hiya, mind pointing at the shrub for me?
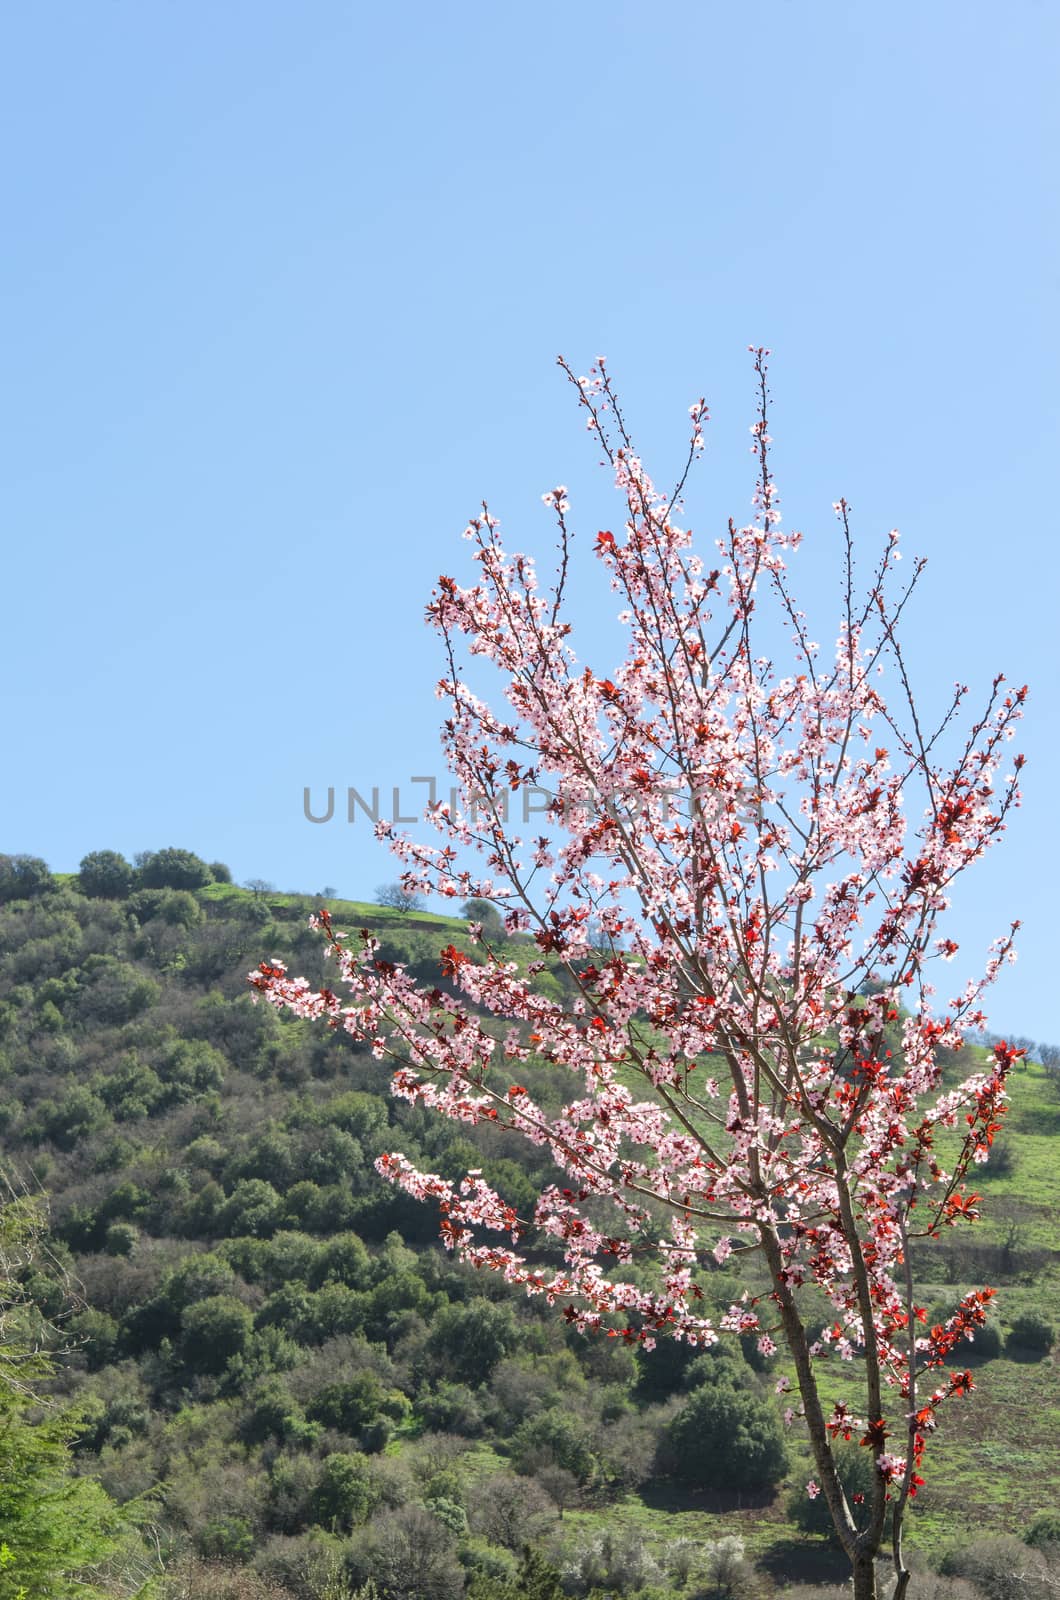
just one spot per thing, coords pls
(412, 1556)
(132, 1090)
(190, 1067)
(226, 1538)
(345, 1494)
(23, 878)
(113, 991)
(344, 1259)
(96, 1335)
(198, 1278)
(610, 1560)
(1002, 1163)
(450, 1408)
(78, 1114)
(1001, 1569)
(274, 1413)
(172, 869)
(253, 1208)
(121, 1239)
(175, 907)
(725, 1438)
(726, 1572)
(450, 1514)
(293, 1480)
(105, 875)
(1044, 1532)
(485, 913)
(753, 1355)
(467, 1341)
(303, 1564)
(1032, 1331)
(509, 1510)
(213, 1331)
(663, 1370)
(54, 1525)
(349, 1405)
(986, 1345)
(50, 1017)
(553, 1439)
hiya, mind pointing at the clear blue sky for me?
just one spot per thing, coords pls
(282, 290)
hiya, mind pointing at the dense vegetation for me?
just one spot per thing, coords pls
(265, 1371)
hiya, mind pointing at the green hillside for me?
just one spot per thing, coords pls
(280, 1370)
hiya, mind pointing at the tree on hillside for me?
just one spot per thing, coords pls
(761, 836)
(172, 869)
(105, 875)
(1049, 1056)
(398, 898)
(23, 878)
(725, 1438)
(488, 918)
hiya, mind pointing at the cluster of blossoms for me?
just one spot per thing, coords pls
(746, 1018)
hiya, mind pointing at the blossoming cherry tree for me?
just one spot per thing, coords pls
(748, 844)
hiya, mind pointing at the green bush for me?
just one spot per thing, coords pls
(1044, 1532)
(190, 1068)
(95, 1334)
(1033, 1332)
(113, 992)
(23, 878)
(986, 1345)
(253, 1208)
(78, 1115)
(225, 1538)
(449, 1513)
(50, 1017)
(450, 1408)
(173, 869)
(467, 1341)
(121, 1239)
(345, 1494)
(105, 875)
(725, 1438)
(213, 1331)
(199, 1277)
(132, 1090)
(343, 1259)
(274, 1413)
(554, 1438)
(177, 908)
(350, 1404)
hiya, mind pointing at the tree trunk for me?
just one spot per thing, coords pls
(864, 1578)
